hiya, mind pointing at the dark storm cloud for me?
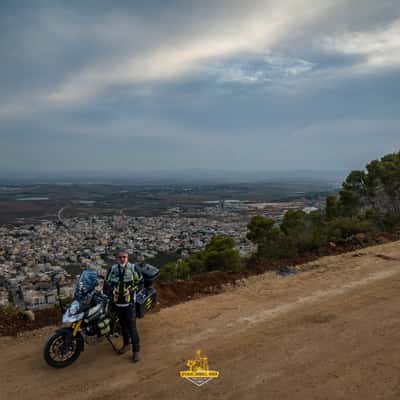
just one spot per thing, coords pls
(221, 84)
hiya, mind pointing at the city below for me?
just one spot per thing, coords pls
(70, 235)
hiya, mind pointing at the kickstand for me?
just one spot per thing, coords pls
(112, 344)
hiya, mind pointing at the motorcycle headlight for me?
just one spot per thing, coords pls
(74, 307)
(72, 313)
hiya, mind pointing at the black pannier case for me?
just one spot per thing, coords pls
(145, 300)
(150, 273)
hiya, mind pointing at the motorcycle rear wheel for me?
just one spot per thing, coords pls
(55, 352)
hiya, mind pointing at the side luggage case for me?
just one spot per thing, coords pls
(146, 299)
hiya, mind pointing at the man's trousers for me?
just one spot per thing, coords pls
(127, 318)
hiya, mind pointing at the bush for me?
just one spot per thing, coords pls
(225, 260)
(219, 244)
(168, 272)
(391, 221)
(305, 232)
(294, 221)
(368, 201)
(310, 239)
(259, 229)
(332, 207)
(195, 263)
(11, 309)
(173, 271)
(343, 227)
(277, 245)
(183, 270)
(219, 255)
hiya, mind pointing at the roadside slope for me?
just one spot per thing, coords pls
(328, 333)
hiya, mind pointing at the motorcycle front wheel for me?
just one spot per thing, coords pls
(62, 349)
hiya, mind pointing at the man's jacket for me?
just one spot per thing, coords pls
(124, 279)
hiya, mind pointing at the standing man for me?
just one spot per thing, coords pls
(124, 280)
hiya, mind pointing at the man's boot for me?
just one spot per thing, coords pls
(135, 356)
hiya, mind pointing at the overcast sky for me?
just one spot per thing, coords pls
(234, 84)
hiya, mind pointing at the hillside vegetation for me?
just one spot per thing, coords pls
(367, 205)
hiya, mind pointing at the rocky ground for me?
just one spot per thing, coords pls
(330, 332)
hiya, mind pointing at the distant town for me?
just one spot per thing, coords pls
(32, 256)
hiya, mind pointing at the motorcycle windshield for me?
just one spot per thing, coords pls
(86, 283)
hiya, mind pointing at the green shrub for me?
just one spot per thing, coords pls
(391, 221)
(332, 207)
(310, 239)
(259, 229)
(343, 227)
(225, 260)
(219, 244)
(195, 263)
(277, 245)
(183, 270)
(168, 272)
(368, 201)
(219, 255)
(10, 309)
(173, 271)
(294, 221)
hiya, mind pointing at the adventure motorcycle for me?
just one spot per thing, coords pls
(89, 317)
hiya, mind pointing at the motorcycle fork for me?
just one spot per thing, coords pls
(76, 328)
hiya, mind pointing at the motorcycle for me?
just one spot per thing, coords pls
(89, 317)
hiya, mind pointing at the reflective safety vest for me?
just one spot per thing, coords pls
(124, 278)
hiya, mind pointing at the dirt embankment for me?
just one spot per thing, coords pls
(170, 294)
(331, 332)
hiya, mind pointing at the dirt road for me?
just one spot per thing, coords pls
(332, 332)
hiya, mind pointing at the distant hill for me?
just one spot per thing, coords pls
(188, 176)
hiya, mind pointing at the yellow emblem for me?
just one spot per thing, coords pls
(198, 371)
